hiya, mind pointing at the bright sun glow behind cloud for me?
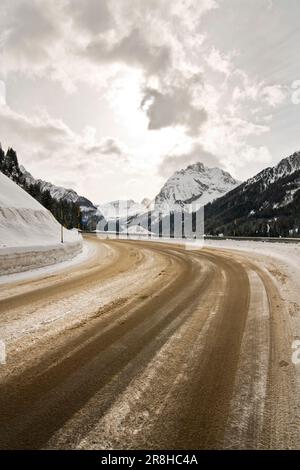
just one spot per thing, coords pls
(101, 95)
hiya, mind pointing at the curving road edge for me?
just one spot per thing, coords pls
(148, 345)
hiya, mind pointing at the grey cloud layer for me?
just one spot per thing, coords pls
(173, 108)
(168, 57)
(107, 147)
(52, 39)
(47, 136)
(172, 163)
(132, 50)
(94, 16)
(27, 31)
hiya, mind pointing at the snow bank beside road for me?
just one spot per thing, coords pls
(282, 262)
(288, 253)
(87, 252)
(30, 237)
(14, 260)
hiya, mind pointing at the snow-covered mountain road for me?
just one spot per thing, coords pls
(147, 345)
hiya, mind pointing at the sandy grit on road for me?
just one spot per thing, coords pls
(147, 345)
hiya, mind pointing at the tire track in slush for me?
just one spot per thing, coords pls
(170, 374)
(22, 400)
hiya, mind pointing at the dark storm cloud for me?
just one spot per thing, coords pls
(173, 108)
(132, 50)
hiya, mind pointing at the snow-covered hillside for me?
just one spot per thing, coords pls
(26, 226)
(12, 196)
(196, 184)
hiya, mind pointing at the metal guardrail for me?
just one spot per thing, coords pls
(255, 239)
(146, 236)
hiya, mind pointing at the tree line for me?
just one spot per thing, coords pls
(66, 212)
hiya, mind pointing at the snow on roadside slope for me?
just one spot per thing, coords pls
(288, 253)
(88, 251)
(282, 262)
(30, 236)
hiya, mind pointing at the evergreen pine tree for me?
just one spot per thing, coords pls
(2, 157)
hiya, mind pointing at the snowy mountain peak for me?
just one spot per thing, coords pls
(196, 167)
(197, 184)
(123, 208)
(285, 167)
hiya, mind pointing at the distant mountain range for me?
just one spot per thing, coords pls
(266, 205)
(186, 190)
(124, 208)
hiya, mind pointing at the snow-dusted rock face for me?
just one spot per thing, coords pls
(267, 204)
(27, 227)
(270, 175)
(57, 192)
(90, 214)
(196, 184)
(287, 169)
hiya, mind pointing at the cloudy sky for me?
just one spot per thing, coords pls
(109, 97)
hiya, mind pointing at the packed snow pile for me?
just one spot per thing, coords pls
(30, 236)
